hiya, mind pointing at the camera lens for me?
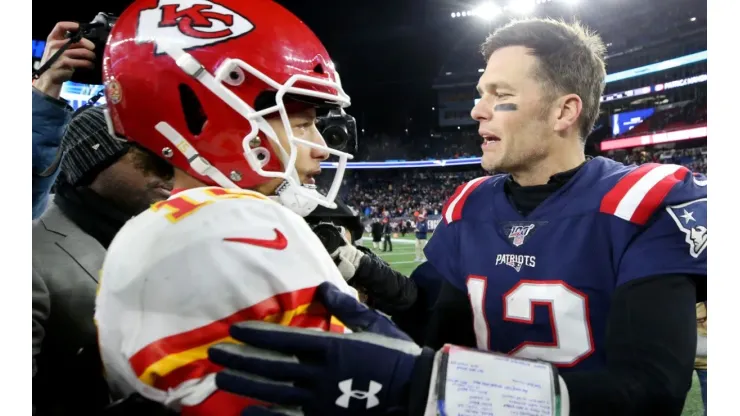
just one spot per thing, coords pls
(335, 137)
(328, 235)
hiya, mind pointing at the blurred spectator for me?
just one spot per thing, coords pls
(376, 229)
(103, 183)
(50, 113)
(422, 227)
(387, 231)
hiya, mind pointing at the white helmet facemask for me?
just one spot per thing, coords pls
(300, 198)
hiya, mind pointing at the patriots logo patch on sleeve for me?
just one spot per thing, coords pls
(691, 219)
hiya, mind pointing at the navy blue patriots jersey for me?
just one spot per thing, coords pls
(540, 285)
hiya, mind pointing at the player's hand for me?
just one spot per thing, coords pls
(78, 55)
(347, 257)
(309, 372)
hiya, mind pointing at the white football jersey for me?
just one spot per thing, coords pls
(178, 275)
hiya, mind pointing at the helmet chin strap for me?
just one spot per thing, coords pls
(298, 199)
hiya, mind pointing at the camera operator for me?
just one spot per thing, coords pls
(50, 113)
(386, 289)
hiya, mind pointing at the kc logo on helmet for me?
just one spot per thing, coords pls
(190, 24)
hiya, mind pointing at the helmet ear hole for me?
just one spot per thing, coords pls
(319, 69)
(195, 115)
(262, 155)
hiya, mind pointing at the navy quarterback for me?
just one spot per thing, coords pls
(570, 283)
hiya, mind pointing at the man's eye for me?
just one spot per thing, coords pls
(502, 95)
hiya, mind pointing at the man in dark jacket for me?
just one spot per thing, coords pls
(387, 230)
(376, 229)
(102, 184)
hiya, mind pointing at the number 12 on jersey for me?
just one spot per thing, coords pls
(572, 340)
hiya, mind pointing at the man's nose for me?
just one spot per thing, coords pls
(320, 154)
(481, 111)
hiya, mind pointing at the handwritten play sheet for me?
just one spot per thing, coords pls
(495, 385)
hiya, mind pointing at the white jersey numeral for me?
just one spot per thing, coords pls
(477, 295)
(569, 318)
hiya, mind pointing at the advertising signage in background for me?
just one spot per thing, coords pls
(78, 94)
(655, 88)
(624, 122)
(657, 67)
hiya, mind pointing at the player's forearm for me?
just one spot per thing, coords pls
(391, 291)
(451, 321)
(632, 393)
(650, 348)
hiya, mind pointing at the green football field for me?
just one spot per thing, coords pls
(402, 259)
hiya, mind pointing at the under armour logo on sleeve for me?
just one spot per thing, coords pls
(346, 388)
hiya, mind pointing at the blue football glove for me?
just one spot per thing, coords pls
(377, 370)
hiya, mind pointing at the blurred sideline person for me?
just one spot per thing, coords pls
(387, 232)
(636, 246)
(50, 113)
(103, 183)
(376, 231)
(422, 227)
(236, 117)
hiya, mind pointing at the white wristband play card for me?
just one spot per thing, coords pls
(481, 383)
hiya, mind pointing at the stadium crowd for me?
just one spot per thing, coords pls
(402, 192)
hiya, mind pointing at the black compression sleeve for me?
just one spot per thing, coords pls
(650, 351)
(451, 321)
(390, 291)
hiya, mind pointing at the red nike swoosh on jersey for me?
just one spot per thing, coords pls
(277, 243)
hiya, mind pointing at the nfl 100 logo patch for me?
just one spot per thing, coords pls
(519, 232)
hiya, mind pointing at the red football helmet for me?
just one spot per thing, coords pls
(192, 82)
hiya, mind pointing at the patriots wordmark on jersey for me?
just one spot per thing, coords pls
(178, 275)
(540, 285)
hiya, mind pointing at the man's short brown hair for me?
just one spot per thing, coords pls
(571, 60)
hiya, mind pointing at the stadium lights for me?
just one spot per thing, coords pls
(522, 6)
(693, 19)
(481, 70)
(488, 10)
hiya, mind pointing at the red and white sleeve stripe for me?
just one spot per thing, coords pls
(452, 210)
(641, 192)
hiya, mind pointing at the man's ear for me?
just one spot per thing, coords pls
(569, 112)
